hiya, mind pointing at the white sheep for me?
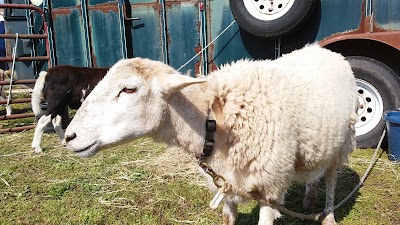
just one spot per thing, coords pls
(291, 119)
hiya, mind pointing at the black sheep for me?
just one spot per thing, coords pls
(61, 87)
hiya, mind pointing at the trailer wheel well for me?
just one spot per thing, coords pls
(369, 48)
(374, 65)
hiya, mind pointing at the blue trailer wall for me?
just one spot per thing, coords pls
(145, 37)
(70, 39)
(387, 14)
(87, 33)
(101, 32)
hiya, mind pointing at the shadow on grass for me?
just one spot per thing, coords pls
(347, 180)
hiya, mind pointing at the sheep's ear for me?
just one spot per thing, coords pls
(170, 83)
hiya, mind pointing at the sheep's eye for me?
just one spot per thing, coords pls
(129, 90)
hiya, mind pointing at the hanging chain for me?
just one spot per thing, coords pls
(216, 177)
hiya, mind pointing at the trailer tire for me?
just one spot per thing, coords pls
(378, 88)
(279, 19)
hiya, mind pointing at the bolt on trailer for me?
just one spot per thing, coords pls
(200, 35)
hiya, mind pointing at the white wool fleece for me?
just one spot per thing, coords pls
(284, 119)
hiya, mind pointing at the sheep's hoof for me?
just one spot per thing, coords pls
(308, 206)
(329, 220)
(38, 150)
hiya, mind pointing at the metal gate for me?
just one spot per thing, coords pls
(20, 59)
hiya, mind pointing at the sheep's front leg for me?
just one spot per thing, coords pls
(57, 124)
(229, 212)
(65, 117)
(310, 197)
(268, 215)
(330, 183)
(37, 138)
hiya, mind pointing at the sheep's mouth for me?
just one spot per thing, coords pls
(87, 151)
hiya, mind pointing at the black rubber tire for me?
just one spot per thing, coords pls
(284, 25)
(386, 82)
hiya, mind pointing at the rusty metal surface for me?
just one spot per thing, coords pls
(390, 38)
(100, 2)
(105, 32)
(142, 1)
(69, 35)
(17, 116)
(36, 51)
(24, 36)
(65, 3)
(30, 7)
(38, 54)
(183, 31)
(144, 36)
(367, 30)
(7, 82)
(338, 16)
(16, 129)
(89, 34)
(15, 101)
(25, 58)
(22, 6)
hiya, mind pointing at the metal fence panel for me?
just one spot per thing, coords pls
(69, 34)
(105, 32)
(183, 34)
(144, 36)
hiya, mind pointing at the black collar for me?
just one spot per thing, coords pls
(211, 127)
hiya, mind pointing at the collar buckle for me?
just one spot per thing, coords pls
(211, 127)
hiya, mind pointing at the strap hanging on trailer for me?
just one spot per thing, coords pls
(8, 107)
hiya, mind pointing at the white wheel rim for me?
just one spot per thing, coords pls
(370, 107)
(268, 9)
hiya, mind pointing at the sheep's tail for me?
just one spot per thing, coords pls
(354, 120)
(37, 95)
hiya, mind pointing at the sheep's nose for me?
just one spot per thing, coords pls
(70, 137)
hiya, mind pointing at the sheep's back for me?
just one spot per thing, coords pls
(68, 83)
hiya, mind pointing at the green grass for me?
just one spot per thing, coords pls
(146, 183)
